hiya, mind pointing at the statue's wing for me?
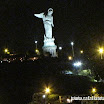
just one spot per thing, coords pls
(39, 15)
(52, 22)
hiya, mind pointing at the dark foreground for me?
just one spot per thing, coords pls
(19, 80)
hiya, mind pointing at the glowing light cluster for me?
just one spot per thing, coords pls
(77, 64)
(69, 100)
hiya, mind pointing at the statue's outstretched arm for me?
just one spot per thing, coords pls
(39, 15)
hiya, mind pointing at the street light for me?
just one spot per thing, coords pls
(46, 96)
(101, 52)
(60, 48)
(36, 43)
(72, 44)
(47, 90)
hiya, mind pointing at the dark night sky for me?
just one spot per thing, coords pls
(79, 20)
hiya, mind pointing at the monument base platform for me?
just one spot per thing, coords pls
(49, 47)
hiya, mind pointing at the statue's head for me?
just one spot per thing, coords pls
(50, 11)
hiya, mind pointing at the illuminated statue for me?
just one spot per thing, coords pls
(49, 45)
(47, 21)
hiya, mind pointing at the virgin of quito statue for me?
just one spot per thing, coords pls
(49, 45)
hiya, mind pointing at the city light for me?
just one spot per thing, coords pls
(77, 64)
(81, 51)
(94, 90)
(6, 50)
(72, 43)
(70, 57)
(47, 90)
(37, 52)
(69, 100)
(44, 96)
(101, 52)
(36, 44)
(36, 41)
(60, 48)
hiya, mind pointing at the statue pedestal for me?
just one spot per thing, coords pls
(49, 47)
